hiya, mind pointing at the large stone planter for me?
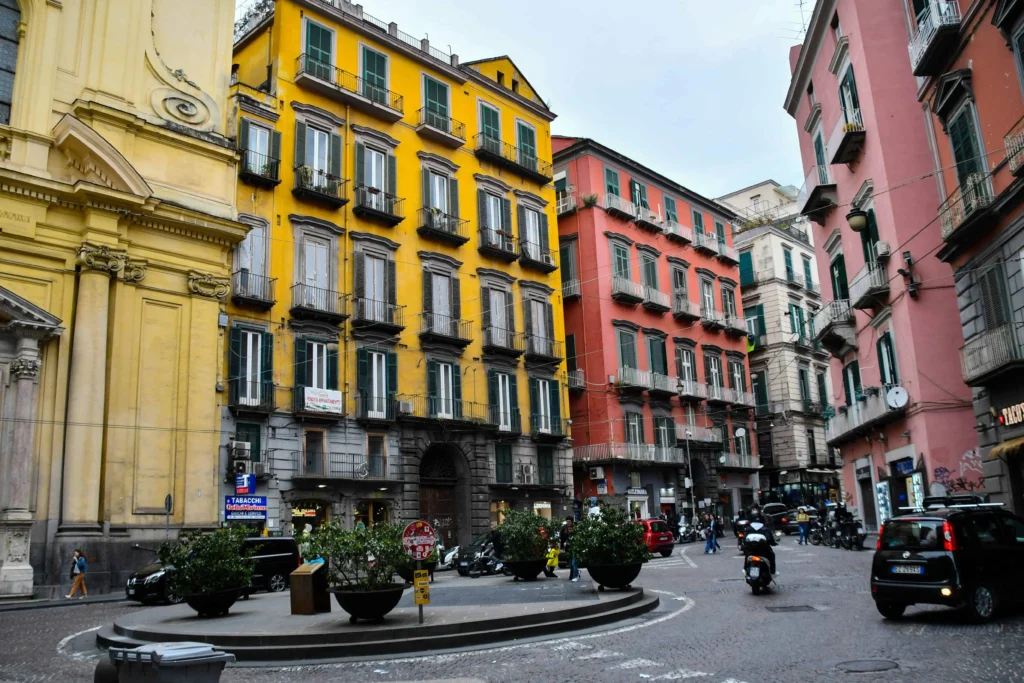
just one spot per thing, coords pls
(526, 570)
(614, 575)
(368, 605)
(213, 604)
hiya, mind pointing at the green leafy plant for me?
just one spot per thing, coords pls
(208, 563)
(590, 200)
(361, 559)
(610, 538)
(524, 536)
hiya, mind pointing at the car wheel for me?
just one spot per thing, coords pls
(174, 599)
(277, 583)
(666, 553)
(981, 604)
(890, 610)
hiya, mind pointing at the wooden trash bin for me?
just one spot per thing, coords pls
(309, 589)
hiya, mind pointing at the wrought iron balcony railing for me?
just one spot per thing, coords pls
(432, 222)
(501, 340)
(575, 381)
(972, 198)
(632, 378)
(253, 289)
(317, 302)
(514, 158)
(374, 203)
(348, 88)
(627, 291)
(440, 127)
(502, 245)
(988, 353)
(934, 24)
(259, 169)
(443, 327)
(251, 396)
(371, 312)
(346, 466)
(319, 185)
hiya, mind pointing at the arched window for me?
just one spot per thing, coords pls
(10, 18)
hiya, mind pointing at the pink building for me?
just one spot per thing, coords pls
(655, 338)
(890, 317)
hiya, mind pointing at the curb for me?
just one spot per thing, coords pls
(59, 602)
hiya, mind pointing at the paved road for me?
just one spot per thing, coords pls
(709, 629)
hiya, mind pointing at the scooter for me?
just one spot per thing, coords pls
(687, 532)
(852, 535)
(487, 564)
(448, 558)
(757, 568)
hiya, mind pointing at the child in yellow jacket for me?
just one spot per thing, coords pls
(552, 556)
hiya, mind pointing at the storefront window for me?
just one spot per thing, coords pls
(370, 512)
(542, 508)
(311, 512)
(498, 509)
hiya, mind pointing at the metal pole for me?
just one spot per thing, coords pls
(419, 566)
(689, 472)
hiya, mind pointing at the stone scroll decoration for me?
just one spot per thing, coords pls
(205, 284)
(100, 258)
(134, 271)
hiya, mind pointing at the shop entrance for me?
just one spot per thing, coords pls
(311, 512)
(371, 512)
(439, 493)
(867, 499)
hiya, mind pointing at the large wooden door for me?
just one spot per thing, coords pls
(437, 508)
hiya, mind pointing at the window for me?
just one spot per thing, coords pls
(620, 261)
(501, 78)
(803, 375)
(375, 76)
(499, 316)
(755, 320)
(819, 158)
(627, 349)
(737, 376)
(313, 451)
(638, 194)
(964, 138)
(540, 326)
(251, 264)
(318, 365)
(787, 257)
(317, 150)
(634, 428)
(251, 355)
(822, 389)
(808, 276)
(887, 359)
(851, 382)
(440, 194)
(378, 383)
(679, 282)
(707, 295)
(986, 529)
(567, 261)
(611, 182)
(657, 357)
(837, 30)
(720, 232)
(250, 433)
(319, 46)
(504, 400)
(1013, 530)
(1018, 52)
(760, 387)
(8, 61)
(435, 94)
(713, 371)
(729, 301)
(444, 390)
(837, 271)
(545, 461)
(544, 397)
(375, 456)
(664, 432)
(796, 320)
(526, 145)
(440, 302)
(741, 441)
(373, 177)
(650, 270)
(262, 148)
(670, 210)
(495, 217)
(530, 233)
(993, 298)
(810, 94)
(698, 222)
(317, 159)
(812, 451)
(503, 464)
(375, 288)
(570, 353)
(849, 100)
(316, 273)
(686, 364)
(490, 128)
(515, 85)
(869, 238)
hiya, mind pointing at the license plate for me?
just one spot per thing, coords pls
(463, 564)
(754, 572)
(907, 569)
(131, 591)
(663, 538)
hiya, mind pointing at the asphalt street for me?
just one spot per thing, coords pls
(709, 628)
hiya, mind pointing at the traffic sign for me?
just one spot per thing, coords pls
(419, 539)
(421, 586)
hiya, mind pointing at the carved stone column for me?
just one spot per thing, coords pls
(83, 452)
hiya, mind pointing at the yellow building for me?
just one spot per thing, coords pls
(396, 340)
(117, 190)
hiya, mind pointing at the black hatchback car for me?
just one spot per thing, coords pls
(149, 585)
(961, 556)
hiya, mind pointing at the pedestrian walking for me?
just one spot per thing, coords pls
(803, 522)
(709, 534)
(565, 536)
(552, 564)
(78, 570)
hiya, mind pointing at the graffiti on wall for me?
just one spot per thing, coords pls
(969, 478)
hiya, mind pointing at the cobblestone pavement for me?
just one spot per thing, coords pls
(709, 628)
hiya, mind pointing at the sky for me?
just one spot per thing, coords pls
(693, 90)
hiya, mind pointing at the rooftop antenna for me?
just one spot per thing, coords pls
(803, 19)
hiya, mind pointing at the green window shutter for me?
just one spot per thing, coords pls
(698, 221)
(792, 319)
(481, 205)
(556, 405)
(432, 388)
(457, 389)
(840, 288)
(808, 276)
(392, 286)
(453, 197)
(746, 268)
(243, 134)
(787, 256)
(822, 389)
(627, 349)
(332, 367)
(426, 188)
(267, 361)
(805, 389)
(360, 163)
(846, 388)
(965, 147)
(670, 210)
(993, 298)
(513, 390)
(611, 182)
(301, 363)
(534, 396)
(234, 353)
(819, 154)
(300, 144)
(720, 231)
(869, 237)
(800, 318)
(392, 370)
(334, 161)
(392, 178)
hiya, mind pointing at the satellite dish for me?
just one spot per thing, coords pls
(741, 432)
(896, 398)
(721, 460)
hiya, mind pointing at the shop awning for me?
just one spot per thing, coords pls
(1007, 448)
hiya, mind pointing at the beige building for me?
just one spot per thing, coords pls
(117, 188)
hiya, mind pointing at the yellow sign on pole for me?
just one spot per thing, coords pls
(421, 586)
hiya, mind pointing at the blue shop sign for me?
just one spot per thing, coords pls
(245, 484)
(245, 508)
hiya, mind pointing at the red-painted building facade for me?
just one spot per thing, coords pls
(655, 336)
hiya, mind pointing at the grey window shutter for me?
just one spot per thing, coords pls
(510, 309)
(992, 299)
(359, 274)
(392, 284)
(360, 162)
(485, 307)
(453, 197)
(275, 146)
(528, 316)
(428, 295)
(392, 175)
(243, 134)
(334, 162)
(506, 207)
(545, 246)
(481, 202)
(300, 144)
(426, 189)
(521, 215)
(456, 300)
(551, 321)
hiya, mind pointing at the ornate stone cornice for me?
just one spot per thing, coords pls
(100, 258)
(27, 368)
(208, 285)
(134, 271)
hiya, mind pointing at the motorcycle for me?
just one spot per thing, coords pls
(852, 535)
(757, 569)
(448, 558)
(488, 564)
(817, 534)
(687, 532)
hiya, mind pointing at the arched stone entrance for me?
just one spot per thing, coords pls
(444, 499)
(700, 480)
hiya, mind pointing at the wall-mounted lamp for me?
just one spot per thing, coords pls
(858, 219)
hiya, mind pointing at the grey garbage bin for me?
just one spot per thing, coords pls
(169, 663)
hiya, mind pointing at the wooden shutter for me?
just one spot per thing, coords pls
(506, 212)
(611, 182)
(234, 354)
(363, 371)
(485, 306)
(275, 148)
(521, 217)
(840, 288)
(510, 312)
(428, 296)
(965, 150)
(556, 406)
(570, 352)
(301, 363)
(481, 204)
(456, 301)
(453, 197)
(300, 144)
(392, 369)
(822, 390)
(359, 274)
(332, 367)
(545, 245)
(243, 134)
(432, 388)
(513, 390)
(534, 398)
(392, 180)
(360, 163)
(993, 301)
(392, 283)
(787, 256)
(869, 237)
(492, 394)
(457, 390)
(267, 361)
(746, 268)
(528, 316)
(334, 158)
(551, 320)
(426, 189)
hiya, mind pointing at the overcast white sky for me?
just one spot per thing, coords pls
(692, 89)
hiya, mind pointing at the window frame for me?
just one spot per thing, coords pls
(620, 332)
(967, 108)
(306, 21)
(612, 173)
(484, 104)
(628, 275)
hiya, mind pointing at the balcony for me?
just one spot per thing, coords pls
(990, 354)
(253, 398)
(818, 194)
(728, 254)
(378, 410)
(735, 325)
(1014, 143)
(835, 327)
(574, 380)
(377, 205)
(794, 278)
(348, 89)
(440, 128)
(311, 403)
(508, 422)
(626, 291)
(812, 287)
(547, 428)
(683, 308)
(647, 219)
(810, 407)
(706, 242)
(565, 204)
(437, 225)
(525, 475)
(354, 466)
(870, 287)
(738, 461)
(632, 379)
(319, 186)
(847, 139)
(967, 207)
(656, 301)
(444, 409)
(869, 411)
(571, 289)
(537, 257)
(316, 303)
(743, 399)
(378, 315)
(255, 291)
(936, 33)
(542, 349)
(505, 342)
(717, 394)
(679, 233)
(259, 169)
(437, 327)
(619, 207)
(697, 434)
(500, 245)
(629, 452)
(804, 342)
(712, 319)
(508, 156)
(689, 389)
(663, 385)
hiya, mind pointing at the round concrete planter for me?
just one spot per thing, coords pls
(213, 604)
(614, 575)
(526, 570)
(368, 605)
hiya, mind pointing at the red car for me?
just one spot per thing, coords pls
(657, 536)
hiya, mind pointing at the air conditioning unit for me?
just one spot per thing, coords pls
(527, 474)
(882, 251)
(239, 450)
(260, 469)
(597, 473)
(406, 407)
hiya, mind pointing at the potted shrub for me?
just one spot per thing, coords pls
(590, 200)
(210, 570)
(611, 547)
(360, 566)
(408, 566)
(524, 537)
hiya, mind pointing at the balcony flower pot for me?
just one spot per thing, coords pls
(526, 570)
(369, 605)
(213, 604)
(210, 570)
(611, 547)
(619, 576)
